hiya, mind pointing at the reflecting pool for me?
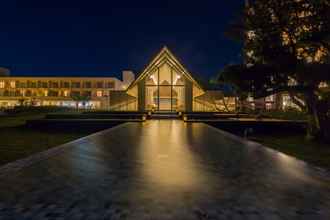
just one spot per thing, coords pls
(165, 169)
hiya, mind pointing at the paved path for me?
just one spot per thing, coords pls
(163, 170)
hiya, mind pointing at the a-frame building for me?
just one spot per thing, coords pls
(165, 85)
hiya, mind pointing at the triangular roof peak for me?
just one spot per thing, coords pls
(165, 55)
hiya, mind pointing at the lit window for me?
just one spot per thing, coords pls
(12, 84)
(270, 98)
(292, 82)
(46, 92)
(99, 84)
(66, 93)
(250, 99)
(2, 84)
(269, 106)
(322, 85)
(99, 93)
(111, 85)
(253, 106)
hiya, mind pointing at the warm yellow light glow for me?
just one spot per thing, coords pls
(2, 84)
(154, 79)
(46, 93)
(12, 84)
(99, 93)
(66, 93)
(167, 159)
(323, 85)
(270, 98)
(251, 35)
(286, 39)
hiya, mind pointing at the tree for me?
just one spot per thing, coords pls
(80, 99)
(21, 102)
(286, 49)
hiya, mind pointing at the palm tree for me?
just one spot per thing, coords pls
(80, 99)
(21, 102)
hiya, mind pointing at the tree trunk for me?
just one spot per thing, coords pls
(313, 126)
(323, 110)
(240, 106)
(297, 102)
(77, 106)
(225, 104)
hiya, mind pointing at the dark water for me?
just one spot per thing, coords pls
(165, 170)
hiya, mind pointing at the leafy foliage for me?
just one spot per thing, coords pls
(286, 49)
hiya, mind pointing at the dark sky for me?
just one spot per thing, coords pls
(78, 37)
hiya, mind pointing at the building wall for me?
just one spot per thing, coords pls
(189, 96)
(57, 91)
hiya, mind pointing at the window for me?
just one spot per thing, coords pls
(66, 85)
(53, 93)
(28, 93)
(99, 93)
(87, 93)
(12, 84)
(54, 84)
(66, 93)
(75, 93)
(270, 98)
(110, 85)
(99, 85)
(46, 93)
(292, 82)
(75, 85)
(2, 84)
(250, 99)
(165, 89)
(18, 93)
(21, 84)
(323, 85)
(269, 106)
(44, 85)
(88, 85)
(253, 106)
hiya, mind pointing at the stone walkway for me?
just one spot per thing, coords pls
(163, 170)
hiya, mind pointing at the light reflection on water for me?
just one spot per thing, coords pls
(153, 169)
(168, 161)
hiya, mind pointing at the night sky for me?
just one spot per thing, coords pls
(102, 38)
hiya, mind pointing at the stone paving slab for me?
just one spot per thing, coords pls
(163, 170)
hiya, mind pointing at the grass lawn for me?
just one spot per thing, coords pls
(17, 141)
(296, 145)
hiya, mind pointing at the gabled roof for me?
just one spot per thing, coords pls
(165, 55)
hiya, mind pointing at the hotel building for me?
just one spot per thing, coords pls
(164, 85)
(60, 91)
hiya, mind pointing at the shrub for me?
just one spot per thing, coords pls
(35, 109)
(289, 114)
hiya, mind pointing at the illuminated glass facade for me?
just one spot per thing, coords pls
(165, 89)
(164, 86)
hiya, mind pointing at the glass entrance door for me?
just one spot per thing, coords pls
(164, 89)
(165, 98)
